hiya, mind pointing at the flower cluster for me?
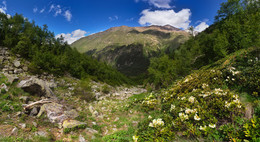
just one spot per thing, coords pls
(156, 123)
(196, 117)
(203, 128)
(204, 85)
(183, 116)
(188, 79)
(188, 111)
(192, 99)
(217, 91)
(236, 102)
(135, 138)
(172, 107)
(150, 100)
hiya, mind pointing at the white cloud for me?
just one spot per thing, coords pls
(130, 19)
(113, 18)
(58, 10)
(158, 3)
(179, 19)
(3, 7)
(35, 10)
(51, 7)
(68, 15)
(201, 27)
(73, 36)
(42, 10)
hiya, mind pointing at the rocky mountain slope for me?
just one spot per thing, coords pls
(47, 108)
(129, 48)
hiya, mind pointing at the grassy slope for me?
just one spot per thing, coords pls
(123, 36)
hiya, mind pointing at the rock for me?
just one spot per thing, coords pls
(41, 133)
(249, 111)
(81, 138)
(93, 131)
(11, 78)
(91, 109)
(25, 99)
(11, 72)
(55, 112)
(17, 64)
(95, 113)
(34, 124)
(71, 114)
(25, 68)
(116, 119)
(2, 59)
(35, 86)
(23, 125)
(3, 86)
(72, 124)
(34, 112)
(19, 113)
(93, 137)
(14, 131)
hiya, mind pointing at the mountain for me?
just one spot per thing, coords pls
(129, 48)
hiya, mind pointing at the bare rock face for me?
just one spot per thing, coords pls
(36, 86)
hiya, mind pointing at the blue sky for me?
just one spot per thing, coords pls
(77, 18)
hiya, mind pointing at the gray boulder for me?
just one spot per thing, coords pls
(35, 86)
(54, 111)
(17, 64)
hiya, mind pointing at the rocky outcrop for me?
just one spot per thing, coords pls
(10, 66)
(72, 124)
(36, 86)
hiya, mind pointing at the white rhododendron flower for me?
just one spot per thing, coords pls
(203, 128)
(212, 125)
(204, 85)
(135, 138)
(192, 99)
(150, 117)
(172, 107)
(156, 123)
(196, 117)
(183, 116)
(227, 105)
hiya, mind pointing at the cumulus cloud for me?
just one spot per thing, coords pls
(3, 7)
(201, 27)
(179, 19)
(73, 36)
(68, 15)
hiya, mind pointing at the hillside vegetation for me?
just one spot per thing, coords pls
(46, 53)
(235, 28)
(153, 38)
(129, 49)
